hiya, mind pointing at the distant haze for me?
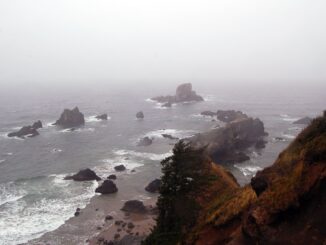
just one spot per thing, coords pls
(149, 41)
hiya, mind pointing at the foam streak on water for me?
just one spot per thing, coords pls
(248, 170)
(144, 155)
(31, 207)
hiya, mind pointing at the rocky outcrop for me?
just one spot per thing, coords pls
(153, 186)
(134, 206)
(228, 144)
(84, 175)
(120, 168)
(208, 113)
(70, 118)
(28, 131)
(146, 141)
(304, 121)
(167, 105)
(107, 187)
(169, 136)
(230, 115)
(102, 117)
(284, 203)
(112, 177)
(38, 124)
(184, 93)
(140, 115)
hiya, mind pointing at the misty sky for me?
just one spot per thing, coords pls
(114, 41)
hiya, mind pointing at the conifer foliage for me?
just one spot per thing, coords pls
(180, 183)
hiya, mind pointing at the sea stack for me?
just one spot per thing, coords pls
(71, 118)
(140, 115)
(38, 124)
(107, 187)
(102, 117)
(29, 131)
(84, 175)
(184, 93)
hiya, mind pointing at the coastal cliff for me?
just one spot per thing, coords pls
(201, 203)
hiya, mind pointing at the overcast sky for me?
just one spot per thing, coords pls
(114, 41)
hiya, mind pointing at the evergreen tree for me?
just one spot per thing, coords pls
(176, 204)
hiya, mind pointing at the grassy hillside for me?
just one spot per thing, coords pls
(201, 202)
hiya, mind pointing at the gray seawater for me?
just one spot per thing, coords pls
(34, 198)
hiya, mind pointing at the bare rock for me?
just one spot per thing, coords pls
(304, 121)
(146, 141)
(120, 168)
(230, 115)
(38, 124)
(134, 206)
(140, 115)
(70, 118)
(208, 113)
(84, 175)
(112, 177)
(154, 186)
(170, 137)
(107, 187)
(28, 131)
(102, 117)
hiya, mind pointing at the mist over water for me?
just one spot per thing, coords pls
(78, 42)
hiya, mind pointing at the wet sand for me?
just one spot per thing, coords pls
(91, 224)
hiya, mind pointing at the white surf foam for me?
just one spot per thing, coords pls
(79, 130)
(93, 118)
(9, 193)
(108, 167)
(5, 136)
(56, 150)
(287, 118)
(248, 170)
(2, 160)
(173, 132)
(161, 107)
(203, 117)
(34, 213)
(49, 124)
(288, 136)
(143, 155)
(150, 100)
(210, 98)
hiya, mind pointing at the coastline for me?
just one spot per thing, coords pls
(91, 224)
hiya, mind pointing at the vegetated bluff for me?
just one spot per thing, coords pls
(201, 202)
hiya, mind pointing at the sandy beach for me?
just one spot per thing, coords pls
(91, 225)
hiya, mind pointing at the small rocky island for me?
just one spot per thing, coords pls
(184, 93)
(102, 117)
(304, 121)
(84, 175)
(229, 144)
(29, 131)
(70, 118)
(140, 115)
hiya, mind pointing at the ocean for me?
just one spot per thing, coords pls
(34, 198)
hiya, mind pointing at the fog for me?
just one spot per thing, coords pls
(84, 42)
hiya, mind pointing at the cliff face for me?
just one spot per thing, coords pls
(228, 144)
(201, 203)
